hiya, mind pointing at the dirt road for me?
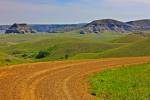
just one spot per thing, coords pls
(59, 80)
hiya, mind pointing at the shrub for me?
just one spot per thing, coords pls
(42, 54)
(24, 55)
(66, 56)
(7, 60)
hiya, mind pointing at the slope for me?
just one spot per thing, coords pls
(139, 48)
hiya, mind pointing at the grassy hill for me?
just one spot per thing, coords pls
(61, 46)
(25, 48)
(139, 48)
(131, 45)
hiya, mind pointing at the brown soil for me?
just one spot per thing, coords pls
(59, 80)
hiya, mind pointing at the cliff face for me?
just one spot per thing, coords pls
(110, 25)
(19, 29)
(46, 28)
(142, 25)
(107, 25)
(97, 26)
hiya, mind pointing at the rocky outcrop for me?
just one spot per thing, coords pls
(97, 26)
(48, 28)
(110, 25)
(107, 25)
(141, 25)
(19, 29)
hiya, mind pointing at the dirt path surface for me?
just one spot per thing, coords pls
(59, 80)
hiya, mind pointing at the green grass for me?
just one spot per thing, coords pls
(130, 38)
(126, 83)
(138, 48)
(6, 59)
(25, 48)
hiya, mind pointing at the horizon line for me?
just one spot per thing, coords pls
(63, 23)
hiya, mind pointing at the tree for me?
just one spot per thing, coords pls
(66, 56)
(42, 54)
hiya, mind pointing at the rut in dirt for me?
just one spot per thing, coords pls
(59, 80)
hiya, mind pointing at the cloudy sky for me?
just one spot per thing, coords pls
(71, 11)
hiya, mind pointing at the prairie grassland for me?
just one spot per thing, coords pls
(72, 45)
(126, 83)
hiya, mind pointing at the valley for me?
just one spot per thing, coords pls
(74, 50)
(26, 47)
(68, 65)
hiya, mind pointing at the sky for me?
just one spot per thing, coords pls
(71, 11)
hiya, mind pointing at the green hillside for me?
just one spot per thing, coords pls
(139, 48)
(132, 45)
(129, 38)
(25, 48)
(62, 46)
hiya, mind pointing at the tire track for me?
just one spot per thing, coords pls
(59, 80)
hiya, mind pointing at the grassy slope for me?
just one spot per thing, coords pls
(139, 48)
(127, 83)
(131, 45)
(24, 48)
(130, 38)
(58, 45)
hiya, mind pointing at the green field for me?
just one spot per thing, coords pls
(126, 83)
(16, 49)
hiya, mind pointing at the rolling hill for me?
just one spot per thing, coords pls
(72, 45)
(47, 28)
(111, 25)
(142, 25)
(107, 25)
(139, 48)
(27, 46)
(132, 45)
(97, 26)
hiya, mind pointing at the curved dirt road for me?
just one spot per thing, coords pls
(59, 80)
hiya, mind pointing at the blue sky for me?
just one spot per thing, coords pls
(71, 11)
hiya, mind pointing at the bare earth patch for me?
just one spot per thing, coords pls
(59, 80)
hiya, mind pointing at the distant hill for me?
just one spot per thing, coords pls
(48, 28)
(97, 26)
(108, 25)
(3, 28)
(20, 29)
(54, 28)
(142, 25)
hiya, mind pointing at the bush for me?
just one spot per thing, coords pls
(42, 54)
(7, 60)
(24, 55)
(66, 56)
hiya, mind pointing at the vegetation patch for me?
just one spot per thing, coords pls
(42, 54)
(70, 45)
(126, 83)
(138, 48)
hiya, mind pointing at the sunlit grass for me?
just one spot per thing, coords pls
(126, 83)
